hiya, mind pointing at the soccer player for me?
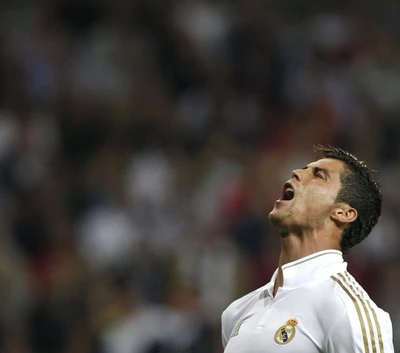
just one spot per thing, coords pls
(312, 304)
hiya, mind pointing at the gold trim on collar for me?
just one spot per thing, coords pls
(284, 267)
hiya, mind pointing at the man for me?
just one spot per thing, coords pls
(312, 304)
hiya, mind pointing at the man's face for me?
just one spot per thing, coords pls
(308, 197)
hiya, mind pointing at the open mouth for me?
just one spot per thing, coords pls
(287, 192)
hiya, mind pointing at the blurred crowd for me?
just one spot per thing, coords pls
(142, 146)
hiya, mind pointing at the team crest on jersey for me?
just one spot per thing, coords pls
(286, 332)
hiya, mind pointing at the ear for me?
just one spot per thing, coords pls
(343, 213)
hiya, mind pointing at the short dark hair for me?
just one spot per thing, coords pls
(358, 190)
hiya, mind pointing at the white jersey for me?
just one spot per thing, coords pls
(319, 309)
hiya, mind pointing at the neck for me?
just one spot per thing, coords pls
(295, 246)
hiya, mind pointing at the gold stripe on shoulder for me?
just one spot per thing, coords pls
(377, 325)
(362, 301)
(356, 285)
(357, 306)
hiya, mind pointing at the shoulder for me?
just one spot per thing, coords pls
(358, 321)
(240, 306)
(237, 310)
(353, 296)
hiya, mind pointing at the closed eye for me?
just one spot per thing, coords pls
(318, 172)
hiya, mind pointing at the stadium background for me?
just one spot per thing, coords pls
(143, 143)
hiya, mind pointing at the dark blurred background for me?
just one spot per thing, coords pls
(144, 142)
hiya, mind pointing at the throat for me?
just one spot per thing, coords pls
(296, 245)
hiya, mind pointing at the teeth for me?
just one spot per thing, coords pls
(290, 189)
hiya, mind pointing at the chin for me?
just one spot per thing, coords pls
(277, 220)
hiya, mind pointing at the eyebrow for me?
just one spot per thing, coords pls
(319, 169)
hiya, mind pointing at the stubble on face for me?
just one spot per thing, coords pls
(280, 223)
(313, 200)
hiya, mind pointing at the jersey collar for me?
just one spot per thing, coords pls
(308, 269)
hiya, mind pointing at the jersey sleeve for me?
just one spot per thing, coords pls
(226, 328)
(367, 330)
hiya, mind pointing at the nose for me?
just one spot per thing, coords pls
(296, 174)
